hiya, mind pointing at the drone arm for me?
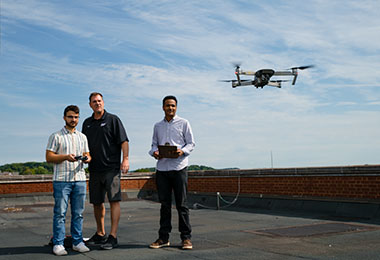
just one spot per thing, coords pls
(238, 78)
(250, 73)
(276, 84)
(283, 73)
(294, 79)
(247, 83)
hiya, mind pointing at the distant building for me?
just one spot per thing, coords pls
(9, 173)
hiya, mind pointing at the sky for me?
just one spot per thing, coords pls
(55, 53)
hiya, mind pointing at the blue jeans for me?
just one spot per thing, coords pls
(76, 193)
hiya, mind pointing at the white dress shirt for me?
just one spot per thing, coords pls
(177, 132)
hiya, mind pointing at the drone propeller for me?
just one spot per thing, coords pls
(234, 80)
(302, 67)
(279, 81)
(236, 64)
(228, 80)
(237, 68)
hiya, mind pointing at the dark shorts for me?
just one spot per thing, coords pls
(104, 182)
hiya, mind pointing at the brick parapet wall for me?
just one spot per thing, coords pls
(324, 186)
(23, 184)
(350, 182)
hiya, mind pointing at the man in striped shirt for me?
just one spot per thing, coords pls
(68, 150)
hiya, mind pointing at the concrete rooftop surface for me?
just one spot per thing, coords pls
(26, 227)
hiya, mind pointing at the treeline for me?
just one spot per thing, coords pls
(190, 168)
(30, 168)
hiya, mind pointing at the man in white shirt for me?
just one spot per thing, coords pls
(171, 172)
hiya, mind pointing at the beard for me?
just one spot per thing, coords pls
(71, 124)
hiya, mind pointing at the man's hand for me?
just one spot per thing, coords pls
(71, 157)
(88, 158)
(156, 155)
(178, 153)
(124, 167)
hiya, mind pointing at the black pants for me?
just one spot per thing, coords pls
(176, 181)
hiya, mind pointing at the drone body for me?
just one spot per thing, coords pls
(263, 77)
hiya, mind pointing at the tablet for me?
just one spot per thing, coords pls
(167, 151)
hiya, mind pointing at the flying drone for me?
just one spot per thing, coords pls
(263, 77)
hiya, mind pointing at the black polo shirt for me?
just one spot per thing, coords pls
(105, 137)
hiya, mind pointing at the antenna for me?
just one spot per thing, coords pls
(271, 158)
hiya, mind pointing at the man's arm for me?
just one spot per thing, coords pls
(189, 140)
(124, 167)
(52, 157)
(154, 149)
(86, 151)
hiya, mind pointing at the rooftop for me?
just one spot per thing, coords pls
(217, 234)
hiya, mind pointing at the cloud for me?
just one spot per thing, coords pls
(136, 52)
(43, 14)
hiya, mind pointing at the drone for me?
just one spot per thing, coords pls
(263, 77)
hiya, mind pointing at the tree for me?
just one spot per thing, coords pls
(41, 170)
(27, 171)
(199, 168)
(190, 168)
(152, 169)
(28, 168)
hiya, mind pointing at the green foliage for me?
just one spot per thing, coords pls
(41, 170)
(151, 169)
(28, 168)
(199, 168)
(190, 168)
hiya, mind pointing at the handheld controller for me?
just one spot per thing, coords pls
(81, 158)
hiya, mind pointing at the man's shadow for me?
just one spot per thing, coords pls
(26, 250)
(47, 249)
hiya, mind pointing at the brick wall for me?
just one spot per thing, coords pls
(142, 182)
(27, 187)
(349, 182)
(324, 186)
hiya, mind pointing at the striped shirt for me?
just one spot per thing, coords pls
(65, 142)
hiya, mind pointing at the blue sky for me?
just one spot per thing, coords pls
(54, 53)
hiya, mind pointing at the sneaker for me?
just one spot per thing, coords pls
(110, 243)
(97, 239)
(81, 248)
(59, 250)
(159, 243)
(186, 244)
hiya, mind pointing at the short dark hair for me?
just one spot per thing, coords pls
(169, 97)
(73, 108)
(95, 94)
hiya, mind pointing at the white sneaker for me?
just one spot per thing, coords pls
(81, 247)
(59, 250)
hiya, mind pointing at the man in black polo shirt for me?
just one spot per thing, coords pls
(106, 140)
